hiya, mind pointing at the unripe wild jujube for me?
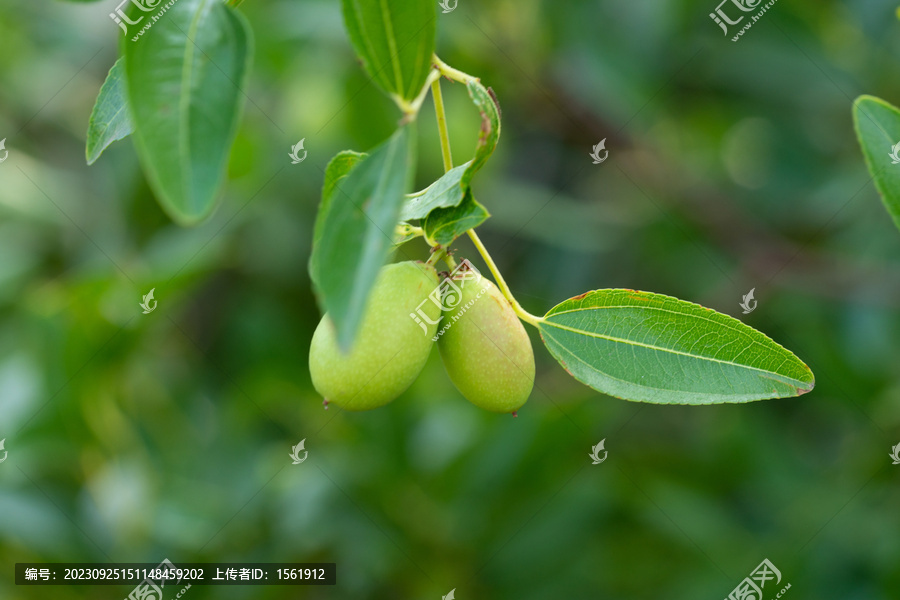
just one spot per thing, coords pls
(390, 348)
(486, 350)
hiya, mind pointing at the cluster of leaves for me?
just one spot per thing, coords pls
(178, 87)
(634, 345)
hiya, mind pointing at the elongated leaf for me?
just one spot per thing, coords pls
(452, 189)
(490, 129)
(338, 168)
(356, 230)
(443, 193)
(185, 77)
(444, 225)
(878, 129)
(654, 348)
(395, 41)
(111, 117)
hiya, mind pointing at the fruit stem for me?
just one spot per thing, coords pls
(501, 283)
(444, 134)
(456, 75)
(451, 262)
(442, 123)
(437, 254)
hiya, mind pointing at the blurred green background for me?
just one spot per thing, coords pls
(134, 438)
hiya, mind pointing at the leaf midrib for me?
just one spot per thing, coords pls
(724, 324)
(670, 351)
(187, 74)
(650, 387)
(392, 46)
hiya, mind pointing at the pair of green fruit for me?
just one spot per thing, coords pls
(484, 347)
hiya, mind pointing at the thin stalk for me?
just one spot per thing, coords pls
(451, 262)
(411, 109)
(448, 164)
(442, 123)
(501, 283)
(451, 73)
(438, 254)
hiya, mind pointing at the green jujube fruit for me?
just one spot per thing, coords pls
(391, 346)
(485, 348)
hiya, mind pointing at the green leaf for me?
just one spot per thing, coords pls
(453, 188)
(111, 118)
(185, 77)
(444, 225)
(878, 129)
(356, 229)
(443, 193)
(338, 168)
(395, 41)
(490, 129)
(653, 348)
